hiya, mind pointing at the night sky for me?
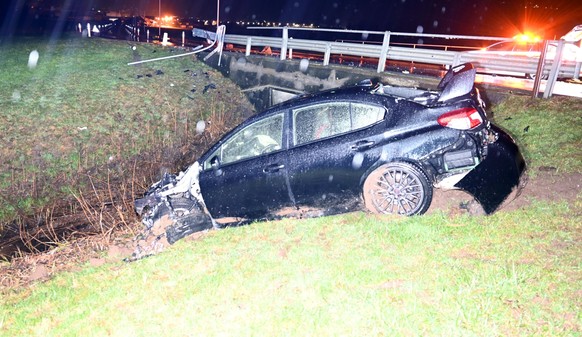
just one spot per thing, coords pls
(462, 17)
(459, 17)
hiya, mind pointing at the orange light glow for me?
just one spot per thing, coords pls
(527, 38)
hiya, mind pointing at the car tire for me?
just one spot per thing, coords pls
(191, 223)
(176, 225)
(184, 206)
(533, 76)
(397, 188)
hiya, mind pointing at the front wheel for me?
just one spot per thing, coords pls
(397, 188)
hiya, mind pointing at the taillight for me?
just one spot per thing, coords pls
(462, 119)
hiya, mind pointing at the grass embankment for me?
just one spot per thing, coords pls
(81, 128)
(512, 273)
(549, 132)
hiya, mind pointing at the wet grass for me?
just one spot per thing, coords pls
(81, 111)
(510, 274)
(549, 132)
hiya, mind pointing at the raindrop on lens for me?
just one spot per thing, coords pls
(330, 178)
(33, 59)
(419, 29)
(200, 126)
(303, 65)
(357, 161)
(16, 96)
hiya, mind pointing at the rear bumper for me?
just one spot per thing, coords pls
(499, 174)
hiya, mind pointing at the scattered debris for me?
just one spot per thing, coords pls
(208, 86)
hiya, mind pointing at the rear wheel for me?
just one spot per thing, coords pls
(397, 188)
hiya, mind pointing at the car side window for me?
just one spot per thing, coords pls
(320, 121)
(364, 115)
(326, 120)
(261, 137)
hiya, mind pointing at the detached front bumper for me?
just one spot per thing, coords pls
(498, 175)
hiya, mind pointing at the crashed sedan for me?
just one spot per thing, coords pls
(385, 146)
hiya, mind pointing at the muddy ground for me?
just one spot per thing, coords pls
(547, 185)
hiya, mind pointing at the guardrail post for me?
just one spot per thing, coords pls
(555, 68)
(384, 52)
(456, 60)
(539, 70)
(248, 50)
(577, 70)
(284, 43)
(327, 55)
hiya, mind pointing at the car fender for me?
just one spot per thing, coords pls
(382, 161)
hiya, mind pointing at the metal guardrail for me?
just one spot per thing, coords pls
(538, 68)
(381, 52)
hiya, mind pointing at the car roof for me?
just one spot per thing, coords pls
(364, 91)
(327, 95)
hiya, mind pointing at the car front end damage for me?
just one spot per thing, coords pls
(171, 209)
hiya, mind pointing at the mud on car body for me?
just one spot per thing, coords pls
(386, 146)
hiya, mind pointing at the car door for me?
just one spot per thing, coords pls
(333, 145)
(246, 175)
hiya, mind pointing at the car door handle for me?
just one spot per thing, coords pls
(273, 168)
(362, 145)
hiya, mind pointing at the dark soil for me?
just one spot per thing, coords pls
(96, 250)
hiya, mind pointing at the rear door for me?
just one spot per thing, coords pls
(333, 145)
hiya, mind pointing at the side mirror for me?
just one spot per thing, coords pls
(215, 163)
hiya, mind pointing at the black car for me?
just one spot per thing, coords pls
(386, 146)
